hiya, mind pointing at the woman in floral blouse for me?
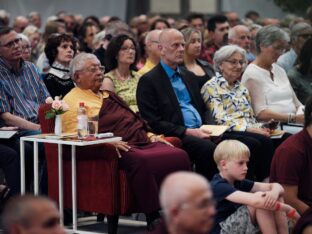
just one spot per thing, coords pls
(230, 103)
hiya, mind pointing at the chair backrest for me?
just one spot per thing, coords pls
(47, 125)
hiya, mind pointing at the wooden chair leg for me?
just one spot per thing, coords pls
(112, 221)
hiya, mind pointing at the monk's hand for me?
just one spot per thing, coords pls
(159, 138)
(121, 145)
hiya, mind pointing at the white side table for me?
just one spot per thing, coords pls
(42, 138)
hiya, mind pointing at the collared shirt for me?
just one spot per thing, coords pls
(230, 106)
(191, 116)
(147, 67)
(22, 91)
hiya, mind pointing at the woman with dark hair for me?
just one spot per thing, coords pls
(300, 76)
(121, 56)
(160, 24)
(60, 50)
(87, 32)
(193, 46)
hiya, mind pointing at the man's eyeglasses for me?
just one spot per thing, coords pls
(12, 43)
(305, 35)
(236, 62)
(94, 69)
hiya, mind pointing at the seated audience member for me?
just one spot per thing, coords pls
(152, 51)
(218, 27)
(300, 32)
(254, 28)
(20, 23)
(300, 76)
(230, 104)
(292, 165)
(26, 47)
(169, 100)
(21, 89)
(244, 206)
(31, 214)
(60, 49)
(304, 224)
(232, 18)
(34, 36)
(50, 28)
(252, 15)
(145, 158)
(188, 205)
(160, 24)
(272, 96)
(193, 44)
(121, 57)
(87, 32)
(240, 35)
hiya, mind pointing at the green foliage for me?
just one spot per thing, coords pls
(294, 6)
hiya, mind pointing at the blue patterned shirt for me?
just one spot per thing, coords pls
(191, 116)
(22, 91)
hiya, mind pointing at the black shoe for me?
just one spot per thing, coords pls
(152, 225)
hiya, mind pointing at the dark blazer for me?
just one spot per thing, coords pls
(159, 105)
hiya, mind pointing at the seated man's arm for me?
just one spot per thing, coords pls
(291, 198)
(13, 120)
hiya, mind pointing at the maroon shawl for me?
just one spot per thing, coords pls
(115, 116)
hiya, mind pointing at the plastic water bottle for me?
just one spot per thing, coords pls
(82, 121)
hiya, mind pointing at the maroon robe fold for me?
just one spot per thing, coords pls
(115, 116)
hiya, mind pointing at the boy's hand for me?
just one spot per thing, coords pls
(270, 199)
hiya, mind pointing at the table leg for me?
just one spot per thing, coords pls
(22, 161)
(36, 174)
(74, 194)
(60, 180)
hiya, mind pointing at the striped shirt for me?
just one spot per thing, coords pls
(22, 91)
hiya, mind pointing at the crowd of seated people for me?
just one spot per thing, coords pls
(241, 73)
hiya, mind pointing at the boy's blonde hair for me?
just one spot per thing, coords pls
(230, 150)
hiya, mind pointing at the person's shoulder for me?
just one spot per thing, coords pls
(152, 75)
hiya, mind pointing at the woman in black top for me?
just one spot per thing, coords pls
(60, 50)
(193, 45)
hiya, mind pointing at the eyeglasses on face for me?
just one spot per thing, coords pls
(127, 49)
(12, 43)
(26, 47)
(94, 69)
(236, 62)
(305, 35)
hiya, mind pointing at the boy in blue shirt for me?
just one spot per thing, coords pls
(244, 206)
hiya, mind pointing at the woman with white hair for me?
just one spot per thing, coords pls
(230, 105)
(34, 36)
(26, 47)
(271, 94)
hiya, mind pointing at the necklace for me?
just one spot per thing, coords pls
(122, 78)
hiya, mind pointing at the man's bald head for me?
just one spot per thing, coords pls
(20, 23)
(240, 35)
(187, 201)
(171, 46)
(31, 215)
(178, 187)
